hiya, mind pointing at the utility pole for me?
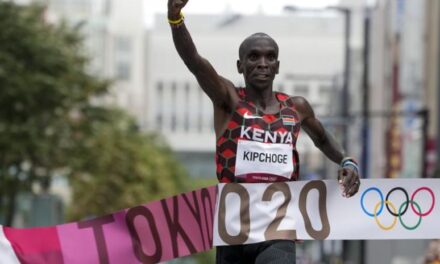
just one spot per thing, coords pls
(345, 102)
(365, 161)
(366, 96)
(424, 114)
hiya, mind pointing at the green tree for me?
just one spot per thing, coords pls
(49, 127)
(123, 167)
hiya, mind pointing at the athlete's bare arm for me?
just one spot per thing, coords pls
(323, 140)
(220, 90)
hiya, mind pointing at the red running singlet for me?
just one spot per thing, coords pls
(258, 147)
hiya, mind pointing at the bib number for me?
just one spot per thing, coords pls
(263, 158)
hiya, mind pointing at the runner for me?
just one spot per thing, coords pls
(257, 129)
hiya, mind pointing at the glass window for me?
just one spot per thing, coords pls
(187, 111)
(122, 71)
(173, 106)
(123, 54)
(159, 104)
(325, 93)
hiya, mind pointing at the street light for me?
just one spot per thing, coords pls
(345, 103)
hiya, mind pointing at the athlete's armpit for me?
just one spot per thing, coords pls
(313, 127)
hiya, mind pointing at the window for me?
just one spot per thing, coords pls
(200, 111)
(173, 106)
(122, 71)
(187, 111)
(325, 94)
(123, 54)
(159, 104)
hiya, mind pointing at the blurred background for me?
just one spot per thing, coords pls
(98, 112)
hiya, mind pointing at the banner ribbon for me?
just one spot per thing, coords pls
(231, 214)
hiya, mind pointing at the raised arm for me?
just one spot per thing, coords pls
(348, 174)
(220, 90)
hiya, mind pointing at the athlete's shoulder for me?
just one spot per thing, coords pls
(302, 106)
(293, 101)
(283, 97)
(299, 101)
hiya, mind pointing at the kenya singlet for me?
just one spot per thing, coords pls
(259, 147)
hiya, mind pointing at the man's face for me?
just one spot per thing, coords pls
(259, 62)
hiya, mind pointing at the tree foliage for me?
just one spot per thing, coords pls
(50, 128)
(123, 167)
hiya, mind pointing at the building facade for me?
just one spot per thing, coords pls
(115, 41)
(404, 66)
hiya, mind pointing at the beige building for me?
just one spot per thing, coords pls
(404, 78)
(115, 39)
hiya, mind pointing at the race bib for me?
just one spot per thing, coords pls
(263, 158)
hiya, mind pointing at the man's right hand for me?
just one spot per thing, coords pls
(174, 8)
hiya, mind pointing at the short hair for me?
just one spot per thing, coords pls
(252, 37)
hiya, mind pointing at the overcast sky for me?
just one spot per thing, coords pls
(237, 6)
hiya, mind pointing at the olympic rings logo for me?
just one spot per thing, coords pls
(401, 210)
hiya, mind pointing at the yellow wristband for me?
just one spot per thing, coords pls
(177, 21)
